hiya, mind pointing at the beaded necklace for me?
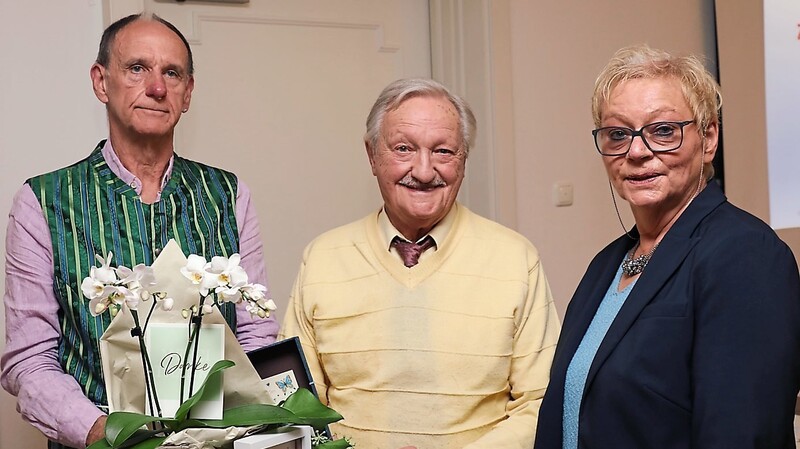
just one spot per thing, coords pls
(632, 266)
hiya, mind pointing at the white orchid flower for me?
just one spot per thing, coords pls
(132, 297)
(92, 288)
(229, 294)
(263, 308)
(254, 292)
(141, 276)
(104, 273)
(99, 302)
(233, 292)
(194, 269)
(120, 294)
(257, 303)
(126, 275)
(226, 274)
(112, 295)
(101, 286)
(147, 277)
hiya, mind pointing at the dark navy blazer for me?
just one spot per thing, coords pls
(705, 352)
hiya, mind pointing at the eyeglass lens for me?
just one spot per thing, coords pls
(660, 136)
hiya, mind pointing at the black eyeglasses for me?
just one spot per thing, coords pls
(658, 137)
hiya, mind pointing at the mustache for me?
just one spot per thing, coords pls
(414, 183)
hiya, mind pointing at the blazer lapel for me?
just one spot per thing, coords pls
(591, 290)
(671, 252)
(665, 261)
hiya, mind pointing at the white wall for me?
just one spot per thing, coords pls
(48, 118)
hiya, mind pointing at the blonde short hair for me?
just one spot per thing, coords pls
(700, 89)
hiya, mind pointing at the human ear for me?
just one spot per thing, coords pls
(187, 96)
(710, 141)
(371, 156)
(97, 73)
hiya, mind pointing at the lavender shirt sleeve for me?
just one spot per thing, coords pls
(252, 332)
(49, 399)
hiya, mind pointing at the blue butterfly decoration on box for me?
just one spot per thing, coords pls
(285, 384)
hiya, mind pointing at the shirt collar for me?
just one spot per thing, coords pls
(111, 158)
(438, 233)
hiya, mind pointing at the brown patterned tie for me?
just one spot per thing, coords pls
(410, 252)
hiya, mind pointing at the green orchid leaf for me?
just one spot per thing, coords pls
(189, 423)
(143, 438)
(100, 444)
(134, 441)
(335, 444)
(152, 443)
(246, 415)
(170, 424)
(309, 410)
(121, 425)
(183, 410)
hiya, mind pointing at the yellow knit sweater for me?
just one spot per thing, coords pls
(452, 353)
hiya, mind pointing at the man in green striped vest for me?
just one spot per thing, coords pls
(130, 196)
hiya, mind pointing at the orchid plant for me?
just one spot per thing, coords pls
(219, 281)
(223, 280)
(107, 288)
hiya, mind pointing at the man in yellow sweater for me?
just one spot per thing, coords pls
(424, 324)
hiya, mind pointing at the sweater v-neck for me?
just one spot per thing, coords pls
(413, 276)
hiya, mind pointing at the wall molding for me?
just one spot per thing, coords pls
(194, 36)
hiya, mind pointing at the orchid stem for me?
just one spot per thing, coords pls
(194, 334)
(149, 313)
(150, 383)
(196, 345)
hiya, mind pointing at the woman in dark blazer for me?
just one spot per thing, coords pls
(685, 331)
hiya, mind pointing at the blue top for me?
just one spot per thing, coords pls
(582, 360)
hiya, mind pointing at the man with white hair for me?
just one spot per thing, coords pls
(424, 324)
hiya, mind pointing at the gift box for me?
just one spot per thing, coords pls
(283, 368)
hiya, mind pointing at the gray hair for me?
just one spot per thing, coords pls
(401, 90)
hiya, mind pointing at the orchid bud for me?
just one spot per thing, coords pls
(167, 304)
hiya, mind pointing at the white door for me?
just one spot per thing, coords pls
(282, 91)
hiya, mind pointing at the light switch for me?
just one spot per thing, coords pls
(562, 194)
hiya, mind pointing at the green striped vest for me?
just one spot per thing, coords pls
(90, 211)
